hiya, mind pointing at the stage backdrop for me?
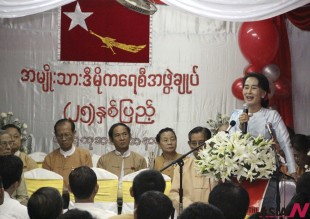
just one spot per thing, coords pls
(193, 63)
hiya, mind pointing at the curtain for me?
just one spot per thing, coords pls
(283, 60)
(20, 8)
(237, 10)
(300, 17)
(228, 10)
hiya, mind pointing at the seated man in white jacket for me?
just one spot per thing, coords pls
(11, 168)
(83, 184)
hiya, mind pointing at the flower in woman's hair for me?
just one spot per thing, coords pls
(24, 126)
(4, 115)
(238, 155)
(10, 113)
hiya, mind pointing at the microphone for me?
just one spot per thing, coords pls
(269, 128)
(245, 124)
(231, 124)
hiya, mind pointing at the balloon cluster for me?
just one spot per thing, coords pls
(259, 43)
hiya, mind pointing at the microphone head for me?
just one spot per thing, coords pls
(232, 123)
(245, 106)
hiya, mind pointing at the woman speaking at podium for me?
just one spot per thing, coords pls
(256, 119)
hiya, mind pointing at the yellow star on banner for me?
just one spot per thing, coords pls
(78, 17)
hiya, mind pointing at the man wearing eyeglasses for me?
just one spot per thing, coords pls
(68, 156)
(196, 188)
(6, 143)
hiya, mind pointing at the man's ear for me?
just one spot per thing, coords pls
(131, 191)
(69, 189)
(96, 189)
(189, 143)
(111, 139)
(15, 185)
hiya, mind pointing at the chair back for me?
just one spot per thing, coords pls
(38, 157)
(95, 159)
(128, 200)
(40, 177)
(107, 193)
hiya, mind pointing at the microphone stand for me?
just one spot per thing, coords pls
(180, 162)
(277, 173)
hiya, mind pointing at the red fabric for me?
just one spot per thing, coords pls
(300, 17)
(158, 2)
(283, 60)
(110, 20)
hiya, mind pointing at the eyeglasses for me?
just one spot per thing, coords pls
(64, 136)
(6, 143)
(197, 143)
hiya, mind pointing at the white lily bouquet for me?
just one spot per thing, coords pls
(237, 155)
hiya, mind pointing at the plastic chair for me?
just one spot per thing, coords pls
(40, 177)
(128, 200)
(107, 193)
(95, 159)
(38, 157)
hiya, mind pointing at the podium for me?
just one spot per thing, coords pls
(262, 193)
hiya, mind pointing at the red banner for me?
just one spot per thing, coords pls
(103, 31)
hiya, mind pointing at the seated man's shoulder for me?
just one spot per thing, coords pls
(82, 150)
(108, 155)
(53, 153)
(123, 216)
(137, 155)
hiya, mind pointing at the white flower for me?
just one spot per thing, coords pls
(238, 155)
(8, 118)
(308, 153)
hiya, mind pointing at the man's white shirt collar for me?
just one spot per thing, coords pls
(68, 153)
(125, 154)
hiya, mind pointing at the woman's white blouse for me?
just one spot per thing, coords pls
(257, 125)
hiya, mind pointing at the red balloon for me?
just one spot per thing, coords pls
(252, 68)
(283, 88)
(259, 41)
(236, 88)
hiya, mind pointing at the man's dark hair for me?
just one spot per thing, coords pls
(11, 168)
(76, 214)
(62, 121)
(301, 143)
(199, 129)
(147, 180)
(232, 199)
(303, 184)
(114, 126)
(154, 205)
(82, 181)
(45, 203)
(200, 210)
(162, 131)
(11, 126)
